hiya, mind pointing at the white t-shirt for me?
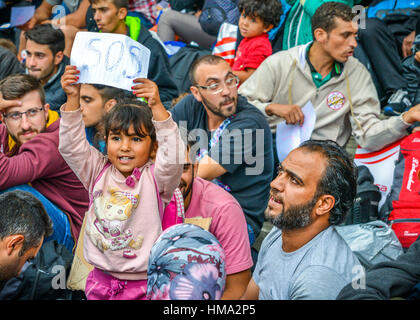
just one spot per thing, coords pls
(316, 271)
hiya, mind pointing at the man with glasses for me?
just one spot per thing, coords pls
(233, 140)
(30, 160)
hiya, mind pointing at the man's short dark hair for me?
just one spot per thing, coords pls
(208, 59)
(17, 85)
(46, 34)
(108, 92)
(339, 178)
(22, 213)
(269, 11)
(324, 16)
(117, 3)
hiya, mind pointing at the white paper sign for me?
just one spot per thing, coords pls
(109, 59)
(290, 136)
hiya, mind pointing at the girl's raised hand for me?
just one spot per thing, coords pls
(147, 89)
(69, 81)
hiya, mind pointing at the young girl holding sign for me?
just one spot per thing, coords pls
(124, 218)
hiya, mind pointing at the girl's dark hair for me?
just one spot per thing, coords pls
(269, 11)
(127, 113)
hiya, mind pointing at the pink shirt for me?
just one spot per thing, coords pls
(252, 52)
(228, 223)
(123, 221)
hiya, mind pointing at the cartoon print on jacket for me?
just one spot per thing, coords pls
(112, 213)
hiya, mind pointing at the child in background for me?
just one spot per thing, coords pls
(125, 187)
(257, 18)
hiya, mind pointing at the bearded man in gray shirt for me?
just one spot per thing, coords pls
(303, 257)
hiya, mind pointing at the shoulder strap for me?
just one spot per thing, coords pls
(97, 179)
(160, 203)
(101, 173)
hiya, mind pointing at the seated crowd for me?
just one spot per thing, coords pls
(117, 177)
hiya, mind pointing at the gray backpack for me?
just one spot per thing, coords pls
(215, 12)
(371, 242)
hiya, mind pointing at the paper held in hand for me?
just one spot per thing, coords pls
(290, 136)
(109, 59)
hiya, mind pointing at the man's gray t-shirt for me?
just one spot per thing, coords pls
(316, 271)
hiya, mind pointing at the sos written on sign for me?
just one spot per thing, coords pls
(109, 59)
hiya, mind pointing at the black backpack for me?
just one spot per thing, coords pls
(215, 12)
(44, 278)
(365, 207)
(187, 5)
(181, 62)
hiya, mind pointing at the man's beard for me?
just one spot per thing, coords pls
(43, 77)
(217, 111)
(183, 186)
(295, 217)
(15, 138)
(6, 273)
(184, 190)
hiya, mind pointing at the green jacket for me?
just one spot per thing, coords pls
(297, 28)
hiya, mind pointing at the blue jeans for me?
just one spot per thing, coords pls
(61, 223)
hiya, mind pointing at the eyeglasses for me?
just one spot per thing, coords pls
(217, 87)
(17, 116)
(186, 167)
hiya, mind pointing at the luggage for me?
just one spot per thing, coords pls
(215, 12)
(226, 43)
(371, 242)
(181, 62)
(365, 207)
(402, 207)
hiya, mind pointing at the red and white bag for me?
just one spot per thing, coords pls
(402, 206)
(381, 165)
(225, 46)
